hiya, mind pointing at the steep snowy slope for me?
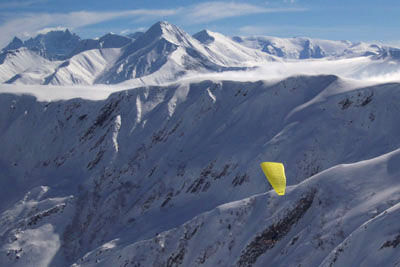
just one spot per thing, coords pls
(26, 67)
(84, 68)
(222, 49)
(118, 172)
(345, 216)
(14, 63)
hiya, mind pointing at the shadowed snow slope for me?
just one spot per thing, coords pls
(14, 63)
(140, 177)
(84, 67)
(345, 216)
(23, 66)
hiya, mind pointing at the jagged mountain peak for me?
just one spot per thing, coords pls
(148, 53)
(109, 40)
(163, 25)
(158, 28)
(57, 44)
(204, 37)
(165, 47)
(14, 44)
(56, 34)
(16, 39)
(166, 30)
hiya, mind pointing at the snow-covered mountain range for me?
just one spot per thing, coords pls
(168, 174)
(164, 53)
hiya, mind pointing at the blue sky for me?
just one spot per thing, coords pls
(354, 20)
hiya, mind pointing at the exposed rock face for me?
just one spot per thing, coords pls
(14, 44)
(54, 45)
(274, 233)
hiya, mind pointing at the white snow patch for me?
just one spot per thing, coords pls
(211, 95)
(178, 97)
(117, 127)
(120, 68)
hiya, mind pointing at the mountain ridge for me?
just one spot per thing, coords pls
(156, 161)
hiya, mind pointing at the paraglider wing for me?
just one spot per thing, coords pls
(275, 173)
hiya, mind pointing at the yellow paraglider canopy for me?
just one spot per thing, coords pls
(275, 173)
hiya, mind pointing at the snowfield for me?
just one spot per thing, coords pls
(145, 151)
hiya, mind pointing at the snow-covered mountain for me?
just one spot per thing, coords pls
(165, 49)
(225, 51)
(166, 53)
(22, 66)
(305, 48)
(14, 44)
(22, 62)
(170, 176)
(161, 167)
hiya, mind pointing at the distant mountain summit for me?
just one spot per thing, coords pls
(54, 45)
(14, 44)
(306, 48)
(61, 45)
(204, 37)
(110, 40)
